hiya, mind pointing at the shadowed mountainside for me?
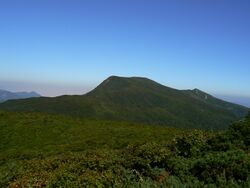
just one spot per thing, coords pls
(139, 100)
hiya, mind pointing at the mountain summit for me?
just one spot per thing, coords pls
(142, 100)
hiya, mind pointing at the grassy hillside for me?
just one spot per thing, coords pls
(28, 137)
(138, 100)
(33, 134)
(56, 151)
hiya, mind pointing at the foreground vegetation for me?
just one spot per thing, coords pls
(57, 151)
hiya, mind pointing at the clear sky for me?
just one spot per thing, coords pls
(69, 46)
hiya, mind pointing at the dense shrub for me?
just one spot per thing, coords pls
(231, 165)
(190, 145)
(240, 133)
(197, 159)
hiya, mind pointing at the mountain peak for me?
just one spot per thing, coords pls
(118, 83)
(119, 79)
(199, 92)
(114, 77)
(7, 95)
(196, 90)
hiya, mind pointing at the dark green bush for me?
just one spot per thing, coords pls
(198, 159)
(190, 145)
(231, 165)
(240, 133)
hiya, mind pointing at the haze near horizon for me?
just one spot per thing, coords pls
(69, 47)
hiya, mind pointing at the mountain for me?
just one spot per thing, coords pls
(138, 100)
(209, 99)
(7, 95)
(242, 100)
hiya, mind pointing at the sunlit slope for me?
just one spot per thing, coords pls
(30, 135)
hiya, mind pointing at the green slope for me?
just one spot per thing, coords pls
(39, 150)
(236, 109)
(138, 100)
(28, 135)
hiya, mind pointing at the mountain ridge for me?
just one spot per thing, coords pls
(138, 99)
(8, 95)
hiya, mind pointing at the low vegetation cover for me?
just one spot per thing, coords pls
(60, 151)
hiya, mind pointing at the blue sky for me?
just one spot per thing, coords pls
(69, 46)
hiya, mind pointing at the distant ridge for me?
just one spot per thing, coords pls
(139, 99)
(7, 95)
(211, 100)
